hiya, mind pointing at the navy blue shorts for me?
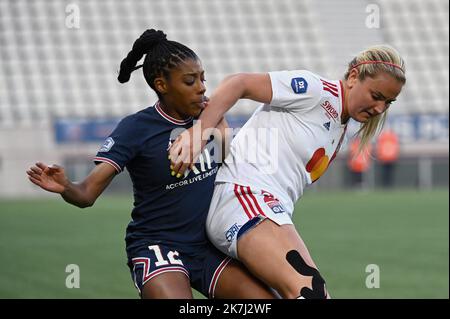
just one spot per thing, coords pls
(202, 266)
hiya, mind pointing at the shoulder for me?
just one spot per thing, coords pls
(138, 120)
(330, 87)
(297, 81)
(296, 89)
(133, 129)
(142, 115)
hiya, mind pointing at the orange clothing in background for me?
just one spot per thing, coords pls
(359, 163)
(387, 147)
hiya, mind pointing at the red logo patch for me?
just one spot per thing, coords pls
(273, 203)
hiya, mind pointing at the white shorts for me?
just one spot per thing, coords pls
(235, 209)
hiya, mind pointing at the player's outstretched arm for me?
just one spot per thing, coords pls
(253, 86)
(84, 194)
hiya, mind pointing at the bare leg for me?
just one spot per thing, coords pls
(169, 285)
(263, 251)
(237, 282)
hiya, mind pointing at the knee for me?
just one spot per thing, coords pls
(315, 289)
(290, 291)
(308, 287)
(293, 288)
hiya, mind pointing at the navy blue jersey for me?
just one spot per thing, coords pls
(166, 209)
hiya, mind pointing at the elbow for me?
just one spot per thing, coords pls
(86, 204)
(236, 83)
(242, 83)
(89, 203)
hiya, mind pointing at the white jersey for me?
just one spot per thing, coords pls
(288, 144)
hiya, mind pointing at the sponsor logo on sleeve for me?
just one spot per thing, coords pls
(299, 85)
(107, 145)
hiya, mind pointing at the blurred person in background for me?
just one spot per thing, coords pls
(387, 152)
(166, 242)
(358, 162)
(310, 114)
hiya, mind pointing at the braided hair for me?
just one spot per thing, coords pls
(162, 55)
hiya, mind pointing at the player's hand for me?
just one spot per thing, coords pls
(51, 178)
(185, 150)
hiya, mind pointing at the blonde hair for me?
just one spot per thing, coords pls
(370, 62)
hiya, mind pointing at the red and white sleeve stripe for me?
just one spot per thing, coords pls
(109, 161)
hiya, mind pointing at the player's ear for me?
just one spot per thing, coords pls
(352, 77)
(160, 85)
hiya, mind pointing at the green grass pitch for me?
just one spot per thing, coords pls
(405, 233)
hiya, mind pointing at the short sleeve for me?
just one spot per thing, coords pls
(299, 89)
(120, 147)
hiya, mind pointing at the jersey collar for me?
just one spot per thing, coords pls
(342, 101)
(170, 118)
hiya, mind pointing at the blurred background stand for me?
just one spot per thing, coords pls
(59, 94)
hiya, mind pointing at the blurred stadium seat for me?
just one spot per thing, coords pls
(50, 71)
(419, 30)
